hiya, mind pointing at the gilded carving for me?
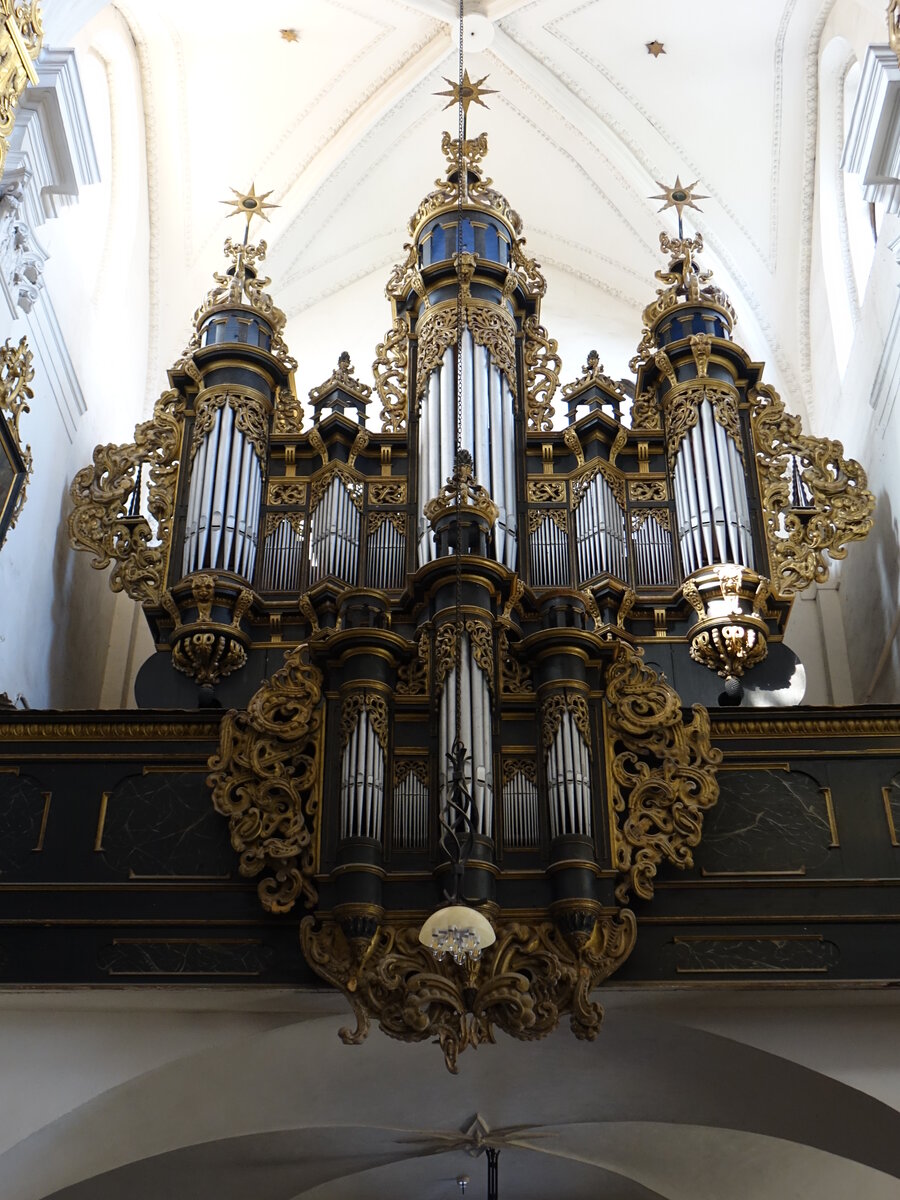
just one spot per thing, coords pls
(359, 444)
(542, 367)
(404, 767)
(100, 494)
(700, 348)
(612, 475)
(628, 602)
(16, 374)
(341, 377)
(288, 416)
(570, 437)
(515, 676)
(266, 779)
(842, 502)
(444, 653)
(207, 657)
(290, 492)
(390, 370)
(391, 492)
(377, 519)
(297, 522)
(490, 327)
(552, 710)
(321, 482)
(461, 492)
(546, 491)
(645, 411)
(524, 984)
(526, 767)
(413, 677)
(21, 36)
(482, 644)
(662, 772)
(893, 16)
(592, 372)
(639, 518)
(372, 703)
(647, 491)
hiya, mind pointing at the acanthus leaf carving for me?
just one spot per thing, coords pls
(266, 779)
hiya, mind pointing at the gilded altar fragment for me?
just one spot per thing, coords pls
(21, 37)
(16, 374)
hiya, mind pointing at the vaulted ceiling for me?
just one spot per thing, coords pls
(342, 125)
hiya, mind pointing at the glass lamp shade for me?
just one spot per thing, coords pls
(459, 931)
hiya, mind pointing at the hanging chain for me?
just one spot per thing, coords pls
(460, 183)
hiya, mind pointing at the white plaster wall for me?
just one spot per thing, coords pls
(57, 611)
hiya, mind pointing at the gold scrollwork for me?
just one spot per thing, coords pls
(444, 653)
(100, 494)
(612, 475)
(404, 767)
(297, 522)
(372, 703)
(16, 374)
(842, 504)
(251, 417)
(413, 677)
(288, 416)
(515, 676)
(552, 710)
(526, 767)
(287, 492)
(482, 644)
(524, 984)
(683, 413)
(570, 437)
(21, 36)
(208, 656)
(266, 780)
(546, 491)
(377, 519)
(542, 367)
(391, 492)
(391, 381)
(647, 491)
(321, 481)
(490, 327)
(645, 411)
(341, 377)
(662, 772)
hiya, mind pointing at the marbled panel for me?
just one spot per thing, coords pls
(224, 956)
(769, 820)
(21, 809)
(803, 954)
(165, 824)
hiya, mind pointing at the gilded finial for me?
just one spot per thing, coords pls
(470, 93)
(249, 204)
(679, 196)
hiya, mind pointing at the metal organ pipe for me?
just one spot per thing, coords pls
(223, 499)
(476, 734)
(568, 781)
(711, 496)
(486, 431)
(362, 789)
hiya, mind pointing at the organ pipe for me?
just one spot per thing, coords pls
(568, 782)
(475, 731)
(362, 786)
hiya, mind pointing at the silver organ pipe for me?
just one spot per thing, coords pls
(475, 730)
(520, 813)
(600, 532)
(223, 499)
(362, 782)
(549, 547)
(386, 550)
(410, 813)
(568, 781)
(711, 497)
(652, 547)
(334, 534)
(282, 555)
(486, 430)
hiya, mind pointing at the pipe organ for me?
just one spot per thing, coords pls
(445, 536)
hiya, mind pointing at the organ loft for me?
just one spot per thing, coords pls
(459, 616)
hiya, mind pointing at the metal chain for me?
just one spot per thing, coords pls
(459, 383)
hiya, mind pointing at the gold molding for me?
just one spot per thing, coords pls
(21, 37)
(16, 374)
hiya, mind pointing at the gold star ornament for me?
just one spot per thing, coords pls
(655, 48)
(470, 93)
(289, 35)
(679, 196)
(249, 204)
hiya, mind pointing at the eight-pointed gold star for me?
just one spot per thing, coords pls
(249, 204)
(290, 35)
(679, 196)
(655, 48)
(471, 92)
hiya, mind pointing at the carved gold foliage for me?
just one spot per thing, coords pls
(16, 374)
(287, 492)
(251, 417)
(683, 413)
(391, 492)
(266, 780)
(842, 503)
(21, 36)
(390, 370)
(444, 652)
(377, 519)
(612, 475)
(570, 437)
(404, 767)
(515, 676)
(482, 644)
(436, 331)
(645, 411)
(537, 516)
(893, 17)
(528, 271)
(372, 703)
(700, 348)
(526, 767)
(208, 656)
(288, 413)
(647, 491)
(297, 522)
(542, 367)
(552, 710)
(546, 491)
(341, 377)
(524, 984)
(662, 771)
(100, 494)
(321, 482)
(413, 677)
(492, 328)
